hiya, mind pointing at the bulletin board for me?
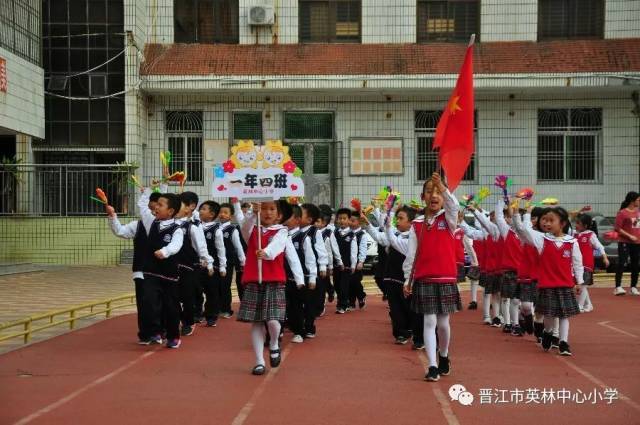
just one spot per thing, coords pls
(372, 156)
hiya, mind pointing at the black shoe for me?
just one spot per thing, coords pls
(417, 346)
(496, 323)
(538, 329)
(401, 340)
(528, 323)
(362, 304)
(188, 330)
(444, 365)
(517, 331)
(198, 319)
(564, 349)
(507, 329)
(275, 361)
(555, 342)
(258, 370)
(473, 306)
(340, 311)
(546, 340)
(432, 375)
(211, 323)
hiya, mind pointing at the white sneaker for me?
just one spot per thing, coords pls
(486, 321)
(297, 339)
(619, 291)
(634, 291)
(581, 309)
(588, 308)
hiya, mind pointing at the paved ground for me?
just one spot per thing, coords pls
(351, 374)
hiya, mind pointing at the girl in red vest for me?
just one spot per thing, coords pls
(479, 237)
(560, 267)
(430, 271)
(264, 301)
(588, 242)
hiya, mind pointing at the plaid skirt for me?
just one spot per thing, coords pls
(557, 302)
(588, 277)
(435, 298)
(508, 284)
(473, 273)
(461, 273)
(491, 283)
(262, 302)
(526, 291)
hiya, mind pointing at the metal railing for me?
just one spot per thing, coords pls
(63, 189)
(30, 324)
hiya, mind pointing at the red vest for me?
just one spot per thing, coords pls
(272, 270)
(530, 252)
(436, 259)
(584, 242)
(491, 255)
(458, 235)
(512, 255)
(479, 248)
(556, 270)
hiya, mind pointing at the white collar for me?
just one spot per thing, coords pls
(552, 238)
(168, 222)
(305, 228)
(294, 231)
(225, 224)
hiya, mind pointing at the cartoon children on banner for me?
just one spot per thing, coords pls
(258, 172)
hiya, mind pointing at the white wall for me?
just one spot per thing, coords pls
(508, 20)
(622, 18)
(388, 22)
(22, 106)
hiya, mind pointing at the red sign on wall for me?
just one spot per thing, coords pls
(3, 75)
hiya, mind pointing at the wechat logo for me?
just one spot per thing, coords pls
(460, 394)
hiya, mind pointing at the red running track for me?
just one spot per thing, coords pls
(351, 374)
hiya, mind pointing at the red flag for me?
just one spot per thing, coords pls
(454, 133)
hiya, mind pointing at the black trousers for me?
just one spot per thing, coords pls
(142, 331)
(404, 321)
(224, 291)
(310, 309)
(187, 284)
(321, 292)
(631, 252)
(198, 297)
(295, 308)
(162, 306)
(341, 280)
(211, 285)
(356, 290)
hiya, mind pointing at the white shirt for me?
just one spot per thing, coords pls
(128, 231)
(450, 211)
(502, 224)
(218, 241)
(321, 250)
(199, 244)
(148, 218)
(309, 256)
(398, 240)
(353, 245)
(490, 227)
(379, 236)
(235, 240)
(331, 248)
(468, 247)
(362, 248)
(536, 239)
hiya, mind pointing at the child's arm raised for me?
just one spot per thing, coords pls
(127, 231)
(400, 243)
(145, 213)
(528, 234)
(378, 236)
(451, 203)
(502, 224)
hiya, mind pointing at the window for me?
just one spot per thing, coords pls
(448, 20)
(329, 21)
(20, 28)
(308, 125)
(427, 159)
(247, 126)
(561, 19)
(206, 21)
(184, 141)
(569, 144)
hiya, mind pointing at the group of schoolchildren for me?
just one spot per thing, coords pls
(285, 257)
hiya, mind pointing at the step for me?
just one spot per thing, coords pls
(16, 268)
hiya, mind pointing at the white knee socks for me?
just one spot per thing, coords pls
(495, 304)
(444, 334)
(474, 290)
(505, 306)
(486, 305)
(430, 322)
(514, 311)
(564, 329)
(274, 334)
(257, 338)
(527, 308)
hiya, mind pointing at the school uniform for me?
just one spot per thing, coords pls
(193, 250)
(492, 254)
(458, 235)
(511, 254)
(324, 285)
(135, 230)
(301, 306)
(588, 242)
(347, 245)
(235, 255)
(356, 290)
(161, 294)
(264, 301)
(211, 284)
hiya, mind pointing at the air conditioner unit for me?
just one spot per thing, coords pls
(260, 15)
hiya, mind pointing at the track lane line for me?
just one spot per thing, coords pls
(442, 399)
(613, 328)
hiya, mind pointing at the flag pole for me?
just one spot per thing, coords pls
(259, 248)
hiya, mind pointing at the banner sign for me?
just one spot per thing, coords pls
(258, 172)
